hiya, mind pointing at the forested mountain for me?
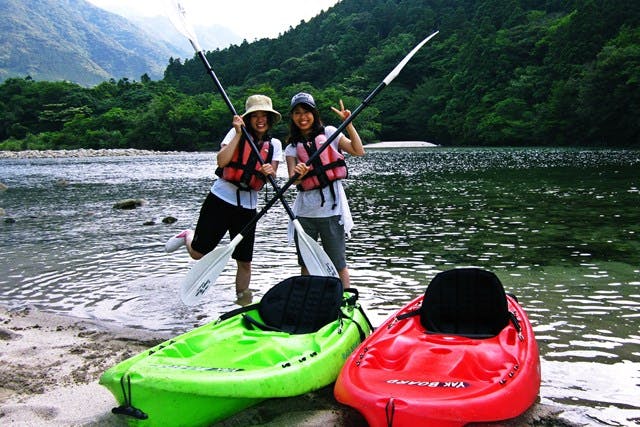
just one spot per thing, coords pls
(75, 41)
(509, 72)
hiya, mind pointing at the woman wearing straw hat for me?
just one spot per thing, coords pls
(231, 202)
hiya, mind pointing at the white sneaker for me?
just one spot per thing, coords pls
(176, 241)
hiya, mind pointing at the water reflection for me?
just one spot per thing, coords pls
(555, 225)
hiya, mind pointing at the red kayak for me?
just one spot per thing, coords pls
(463, 352)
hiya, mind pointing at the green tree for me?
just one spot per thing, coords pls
(609, 98)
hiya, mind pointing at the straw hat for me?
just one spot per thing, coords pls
(261, 103)
(303, 98)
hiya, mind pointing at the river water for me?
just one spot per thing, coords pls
(560, 228)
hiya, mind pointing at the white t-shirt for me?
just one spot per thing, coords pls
(309, 204)
(228, 191)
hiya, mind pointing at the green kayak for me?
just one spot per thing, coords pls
(295, 340)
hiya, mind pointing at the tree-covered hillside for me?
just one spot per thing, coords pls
(516, 72)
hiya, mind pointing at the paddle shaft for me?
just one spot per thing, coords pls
(246, 134)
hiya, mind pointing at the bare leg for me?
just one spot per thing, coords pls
(243, 276)
(344, 277)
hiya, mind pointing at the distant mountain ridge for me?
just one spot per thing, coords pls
(76, 41)
(210, 37)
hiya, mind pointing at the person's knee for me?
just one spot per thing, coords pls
(195, 254)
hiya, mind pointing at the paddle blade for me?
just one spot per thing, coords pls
(205, 272)
(177, 14)
(315, 258)
(394, 73)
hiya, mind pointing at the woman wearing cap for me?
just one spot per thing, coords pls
(321, 205)
(231, 202)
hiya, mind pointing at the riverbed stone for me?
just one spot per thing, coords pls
(129, 203)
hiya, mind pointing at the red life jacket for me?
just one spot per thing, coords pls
(329, 166)
(244, 168)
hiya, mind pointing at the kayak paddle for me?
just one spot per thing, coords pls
(315, 258)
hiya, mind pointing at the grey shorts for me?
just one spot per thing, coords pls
(331, 234)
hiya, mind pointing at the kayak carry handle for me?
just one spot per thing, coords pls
(127, 409)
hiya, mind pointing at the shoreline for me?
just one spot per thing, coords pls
(81, 153)
(120, 152)
(50, 366)
(401, 144)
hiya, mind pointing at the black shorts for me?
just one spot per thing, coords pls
(216, 218)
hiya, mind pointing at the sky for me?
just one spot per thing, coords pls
(250, 19)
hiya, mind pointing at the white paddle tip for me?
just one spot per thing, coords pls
(394, 73)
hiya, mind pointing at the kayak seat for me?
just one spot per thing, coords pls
(300, 304)
(469, 302)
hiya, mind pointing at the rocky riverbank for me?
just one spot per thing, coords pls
(90, 152)
(83, 152)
